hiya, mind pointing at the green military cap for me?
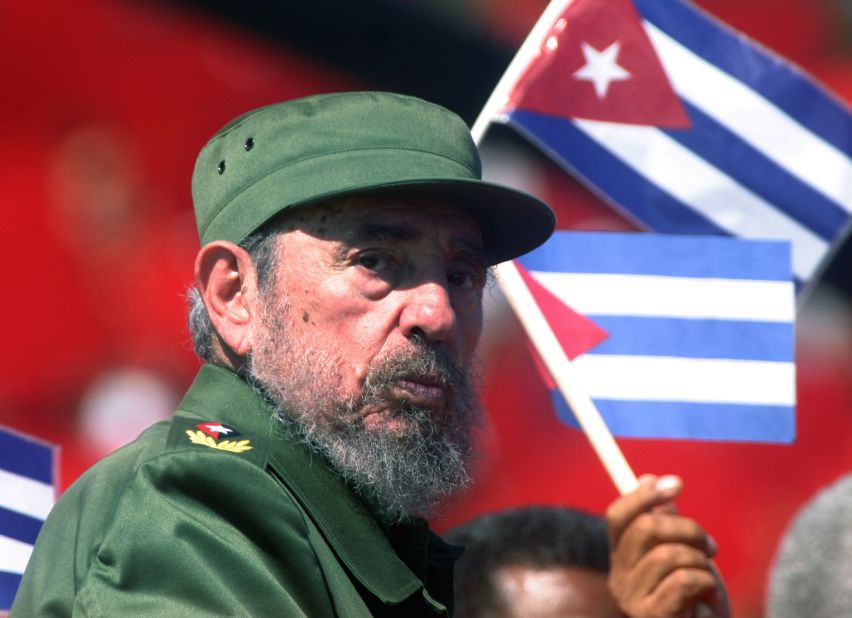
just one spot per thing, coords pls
(305, 151)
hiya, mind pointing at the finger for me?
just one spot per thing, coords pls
(651, 492)
(680, 593)
(647, 574)
(650, 530)
(722, 603)
(662, 562)
(666, 507)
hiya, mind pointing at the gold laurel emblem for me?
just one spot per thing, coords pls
(234, 446)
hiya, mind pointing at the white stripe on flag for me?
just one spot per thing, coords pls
(661, 378)
(681, 297)
(755, 119)
(24, 495)
(704, 188)
(14, 555)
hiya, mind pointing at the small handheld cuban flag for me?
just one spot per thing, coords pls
(27, 493)
(684, 125)
(692, 335)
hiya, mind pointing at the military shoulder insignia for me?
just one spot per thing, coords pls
(209, 434)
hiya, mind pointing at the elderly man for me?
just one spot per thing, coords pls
(345, 245)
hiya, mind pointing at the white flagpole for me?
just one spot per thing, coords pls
(559, 366)
(528, 50)
(520, 298)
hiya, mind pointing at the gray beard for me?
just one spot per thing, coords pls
(400, 472)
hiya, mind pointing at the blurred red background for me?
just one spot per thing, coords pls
(106, 104)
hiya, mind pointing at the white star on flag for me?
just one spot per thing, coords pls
(601, 67)
(219, 429)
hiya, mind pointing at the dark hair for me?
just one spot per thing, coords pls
(536, 536)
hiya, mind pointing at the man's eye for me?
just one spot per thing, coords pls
(463, 279)
(373, 261)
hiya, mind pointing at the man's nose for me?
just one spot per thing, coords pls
(428, 312)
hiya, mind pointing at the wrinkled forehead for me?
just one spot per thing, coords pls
(360, 218)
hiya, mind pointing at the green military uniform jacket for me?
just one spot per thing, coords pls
(187, 521)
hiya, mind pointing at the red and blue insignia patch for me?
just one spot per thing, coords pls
(218, 436)
(218, 430)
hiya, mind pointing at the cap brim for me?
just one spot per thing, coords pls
(512, 222)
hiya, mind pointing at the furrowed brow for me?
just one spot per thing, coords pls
(372, 232)
(472, 251)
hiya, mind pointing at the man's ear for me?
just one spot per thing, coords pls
(227, 281)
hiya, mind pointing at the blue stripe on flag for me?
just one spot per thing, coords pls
(652, 254)
(737, 159)
(9, 583)
(26, 457)
(18, 526)
(705, 421)
(691, 338)
(637, 337)
(623, 187)
(774, 78)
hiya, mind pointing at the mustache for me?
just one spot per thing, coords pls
(404, 471)
(423, 361)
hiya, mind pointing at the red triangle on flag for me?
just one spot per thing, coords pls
(575, 332)
(598, 63)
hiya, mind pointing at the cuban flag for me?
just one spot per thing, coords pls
(688, 127)
(690, 336)
(27, 493)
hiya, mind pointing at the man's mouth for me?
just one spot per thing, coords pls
(425, 391)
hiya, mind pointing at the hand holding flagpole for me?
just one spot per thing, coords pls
(525, 307)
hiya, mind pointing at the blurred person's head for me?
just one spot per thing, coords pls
(96, 191)
(533, 562)
(812, 572)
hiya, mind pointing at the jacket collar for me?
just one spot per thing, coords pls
(349, 527)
